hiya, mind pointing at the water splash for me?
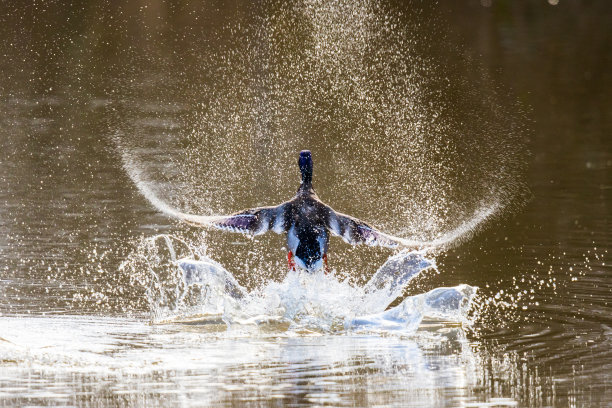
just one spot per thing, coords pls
(135, 174)
(196, 289)
(444, 241)
(362, 86)
(366, 89)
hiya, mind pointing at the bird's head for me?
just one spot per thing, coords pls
(305, 163)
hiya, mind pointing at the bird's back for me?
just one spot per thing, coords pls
(308, 237)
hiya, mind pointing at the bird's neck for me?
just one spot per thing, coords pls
(306, 179)
(306, 172)
(306, 186)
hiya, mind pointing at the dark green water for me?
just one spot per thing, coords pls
(418, 115)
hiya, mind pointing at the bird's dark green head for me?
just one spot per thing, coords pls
(305, 163)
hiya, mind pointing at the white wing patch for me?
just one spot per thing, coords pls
(292, 240)
(355, 232)
(255, 221)
(279, 221)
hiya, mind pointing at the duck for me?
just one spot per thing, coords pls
(306, 221)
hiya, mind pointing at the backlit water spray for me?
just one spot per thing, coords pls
(367, 92)
(195, 288)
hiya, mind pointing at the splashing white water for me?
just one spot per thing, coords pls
(136, 176)
(202, 291)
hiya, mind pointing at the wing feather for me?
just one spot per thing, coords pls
(254, 221)
(355, 232)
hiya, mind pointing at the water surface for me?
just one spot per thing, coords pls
(418, 115)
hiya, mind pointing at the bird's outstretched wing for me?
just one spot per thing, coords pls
(252, 222)
(355, 231)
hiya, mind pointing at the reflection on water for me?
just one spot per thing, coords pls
(79, 360)
(410, 111)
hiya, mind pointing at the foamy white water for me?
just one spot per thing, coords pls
(205, 292)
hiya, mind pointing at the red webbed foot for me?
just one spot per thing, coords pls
(290, 261)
